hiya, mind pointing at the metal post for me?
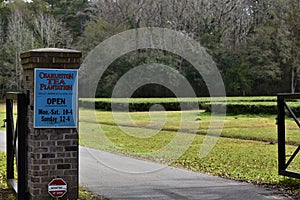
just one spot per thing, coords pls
(9, 140)
(22, 131)
(18, 149)
(281, 133)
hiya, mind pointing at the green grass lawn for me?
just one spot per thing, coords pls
(248, 127)
(235, 143)
(5, 192)
(246, 150)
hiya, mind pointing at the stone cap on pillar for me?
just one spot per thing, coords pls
(51, 58)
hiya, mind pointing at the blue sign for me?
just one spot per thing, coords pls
(55, 101)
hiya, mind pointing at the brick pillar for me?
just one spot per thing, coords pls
(52, 152)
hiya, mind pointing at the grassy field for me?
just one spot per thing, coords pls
(5, 192)
(247, 127)
(246, 150)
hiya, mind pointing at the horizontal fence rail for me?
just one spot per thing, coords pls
(16, 143)
(282, 106)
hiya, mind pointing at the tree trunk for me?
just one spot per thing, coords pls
(293, 81)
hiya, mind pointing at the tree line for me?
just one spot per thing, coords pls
(255, 43)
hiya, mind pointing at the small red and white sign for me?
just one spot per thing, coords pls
(57, 187)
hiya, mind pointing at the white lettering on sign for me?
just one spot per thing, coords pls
(57, 187)
(56, 98)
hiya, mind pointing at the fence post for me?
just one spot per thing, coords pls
(52, 149)
(281, 133)
(9, 139)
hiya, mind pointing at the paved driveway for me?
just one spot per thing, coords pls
(119, 178)
(122, 178)
(2, 141)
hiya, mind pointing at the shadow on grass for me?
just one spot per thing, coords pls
(291, 185)
(7, 194)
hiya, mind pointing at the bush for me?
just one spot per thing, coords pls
(236, 109)
(133, 106)
(235, 105)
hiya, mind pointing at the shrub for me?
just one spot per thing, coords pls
(235, 105)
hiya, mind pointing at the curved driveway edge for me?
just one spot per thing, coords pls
(168, 183)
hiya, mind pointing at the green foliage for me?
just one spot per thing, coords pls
(234, 105)
(37, 7)
(235, 72)
(94, 33)
(256, 49)
(245, 151)
(71, 12)
(85, 194)
(2, 170)
(5, 192)
(24, 27)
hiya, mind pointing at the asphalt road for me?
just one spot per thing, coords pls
(2, 141)
(119, 178)
(122, 178)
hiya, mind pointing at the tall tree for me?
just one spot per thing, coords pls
(19, 39)
(50, 32)
(290, 29)
(71, 12)
(24, 29)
